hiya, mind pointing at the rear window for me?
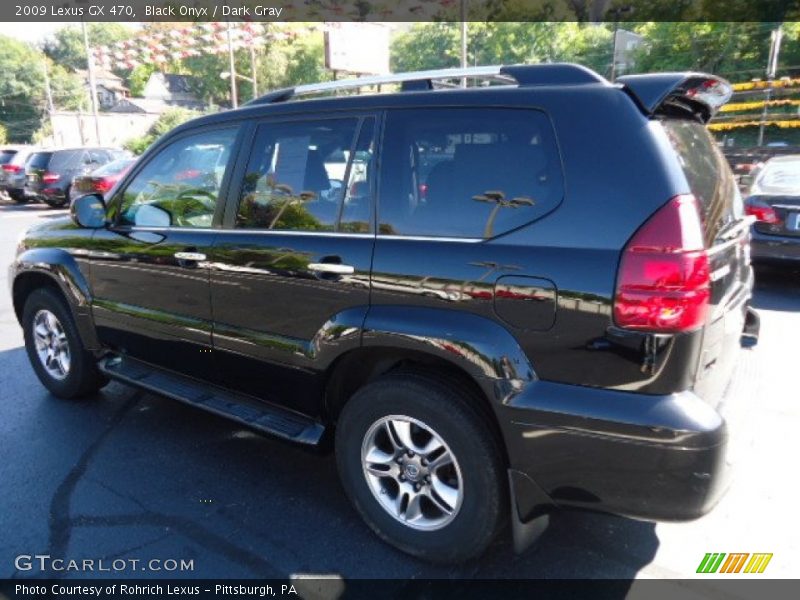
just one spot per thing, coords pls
(39, 160)
(6, 156)
(470, 173)
(708, 174)
(779, 176)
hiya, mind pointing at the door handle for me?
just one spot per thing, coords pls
(335, 268)
(194, 256)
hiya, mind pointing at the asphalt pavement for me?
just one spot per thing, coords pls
(131, 475)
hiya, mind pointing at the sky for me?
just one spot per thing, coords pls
(35, 32)
(29, 32)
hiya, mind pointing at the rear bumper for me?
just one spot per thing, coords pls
(46, 195)
(641, 456)
(766, 249)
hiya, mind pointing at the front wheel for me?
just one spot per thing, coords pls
(54, 347)
(422, 467)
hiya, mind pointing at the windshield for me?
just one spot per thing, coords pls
(6, 156)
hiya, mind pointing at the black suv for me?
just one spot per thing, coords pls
(49, 173)
(491, 302)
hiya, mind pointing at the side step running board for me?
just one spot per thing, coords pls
(237, 407)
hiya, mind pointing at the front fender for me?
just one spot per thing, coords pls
(475, 344)
(34, 266)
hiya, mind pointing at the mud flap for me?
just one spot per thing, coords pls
(530, 510)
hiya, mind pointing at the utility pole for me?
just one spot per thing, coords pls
(50, 107)
(253, 70)
(776, 36)
(234, 99)
(92, 84)
(614, 53)
(464, 40)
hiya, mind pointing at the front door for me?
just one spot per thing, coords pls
(290, 270)
(150, 269)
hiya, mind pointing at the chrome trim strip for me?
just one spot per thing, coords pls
(336, 234)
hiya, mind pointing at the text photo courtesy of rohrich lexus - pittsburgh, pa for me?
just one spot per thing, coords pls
(438, 299)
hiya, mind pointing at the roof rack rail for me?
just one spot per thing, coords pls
(523, 75)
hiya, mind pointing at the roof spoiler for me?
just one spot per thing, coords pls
(669, 93)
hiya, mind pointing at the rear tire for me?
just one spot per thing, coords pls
(54, 203)
(54, 347)
(440, 510)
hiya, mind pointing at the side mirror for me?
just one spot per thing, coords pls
(89, 211)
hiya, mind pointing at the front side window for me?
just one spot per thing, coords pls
(464, 172)
(309, 176)
(180, 186)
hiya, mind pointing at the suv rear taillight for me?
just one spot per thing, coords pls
(12, 168)
(762, 211)
(50, 177)
(102, 184)
(663, 284)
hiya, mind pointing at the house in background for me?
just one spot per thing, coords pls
(172, 90)
(626, 45)
(110, 87)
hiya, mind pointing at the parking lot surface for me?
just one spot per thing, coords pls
(127, 474)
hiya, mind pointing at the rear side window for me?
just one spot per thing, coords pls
(708, 174)
(6, 156)
(39, 160)
(66, 160)
(309, 176)
(472, 173)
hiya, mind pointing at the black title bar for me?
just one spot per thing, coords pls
(392, 10)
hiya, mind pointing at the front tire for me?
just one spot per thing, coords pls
(54, 347)
(422, 467)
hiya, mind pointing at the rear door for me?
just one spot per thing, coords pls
(290, 271)
(726, 233)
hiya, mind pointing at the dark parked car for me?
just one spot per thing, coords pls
(100, 181)
(49, 173)
(553, 323)
(12, 170)
(774, 201)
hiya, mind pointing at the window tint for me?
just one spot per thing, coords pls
(98, 157)
(39, 160)
(707, 172)
(6, 156)
(66, 159)
(467, 172)
(305, 176)
(181, 184)
(357, 206)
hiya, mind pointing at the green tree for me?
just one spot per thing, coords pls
(736, 50)
(66, 46)
(437, 45)
(3, 134)
(21, 88)
(165, 123)
(138, 77)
